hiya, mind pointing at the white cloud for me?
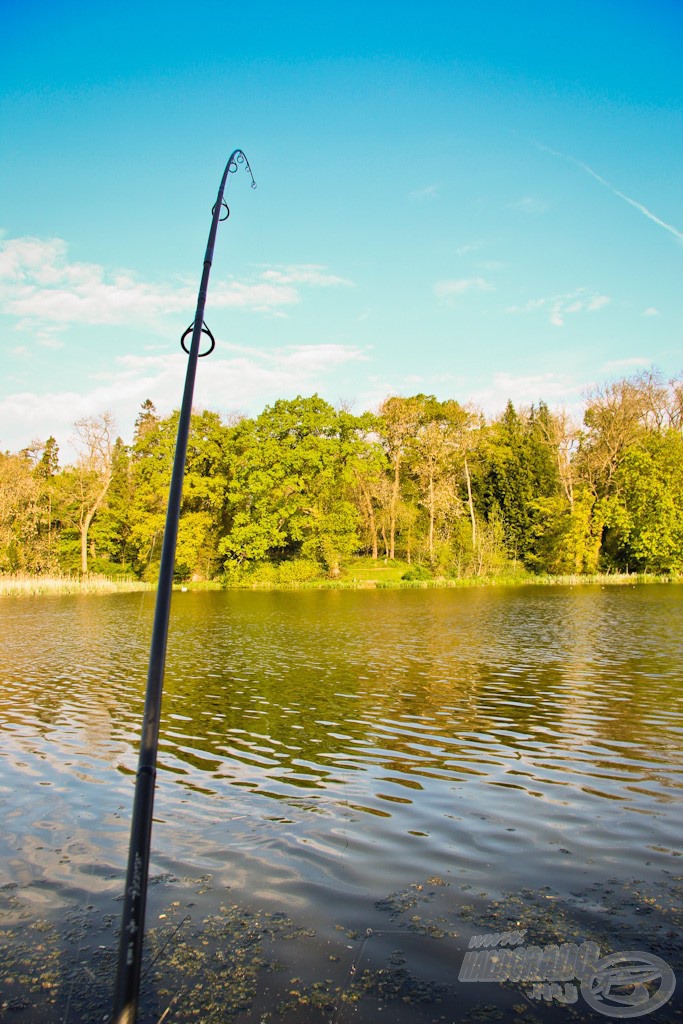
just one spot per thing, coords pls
(557, 313)
(491, 396)
(310, 274)
(311, 359)
(651, 311)
(21, 258)
(48, 340)
(428, 192)
(40, 286)
(447, 289)
(528, 389)
(529, 307)
(465, 250)
(244, 378)
(561, 306)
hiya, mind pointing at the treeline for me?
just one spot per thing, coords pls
(298, 491)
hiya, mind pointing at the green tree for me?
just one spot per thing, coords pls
(397, 425)
(644, 513)
(564, 539)
(368, 470)
(146, 421)
(616, 416)
(436, 463)
(94, 441)
(289, 486)
(48, 463)
(19, 512)
(110, 531)
(45, 471)
(203, 506)
(151, 466)
(621, 417)
(520, 469)
(26, 498)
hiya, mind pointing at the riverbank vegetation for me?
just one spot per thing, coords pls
(24, 584)
(420, 492)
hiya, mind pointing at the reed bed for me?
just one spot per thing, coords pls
(577, 580)
(517, 580)
(603, 579)
(31, 586)
(19, 585)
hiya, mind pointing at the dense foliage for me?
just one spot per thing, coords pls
(296, 492)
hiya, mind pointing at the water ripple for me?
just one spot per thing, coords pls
(477, 724)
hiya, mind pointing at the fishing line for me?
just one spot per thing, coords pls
(170, 1006)
(146, 572)
(76, 971)
(144, 593)
(346, 816)
(171, 937)
(351, 974)
(353, 969)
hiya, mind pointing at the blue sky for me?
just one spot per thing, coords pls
(481, 202)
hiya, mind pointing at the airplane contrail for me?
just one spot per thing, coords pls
(594, 174)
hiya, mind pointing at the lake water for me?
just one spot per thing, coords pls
(352, 786)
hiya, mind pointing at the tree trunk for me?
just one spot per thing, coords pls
(431, 519)
(86, 520)
(470, 505)
(373, 530)
(85, 526)
(394, 506)
(367, 498)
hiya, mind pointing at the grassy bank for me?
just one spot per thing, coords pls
(358, 576)
(40, 586)
(601, 579)
(367, 573)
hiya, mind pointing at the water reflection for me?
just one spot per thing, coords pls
(478, 722)
(323, 750)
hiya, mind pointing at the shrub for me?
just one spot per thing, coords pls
(417, 573)
(298, 570)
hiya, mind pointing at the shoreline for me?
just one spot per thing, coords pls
(44, 586)
(443, 583)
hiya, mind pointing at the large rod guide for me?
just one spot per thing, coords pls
(133, 918)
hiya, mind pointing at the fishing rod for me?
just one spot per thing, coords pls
(127, 987)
